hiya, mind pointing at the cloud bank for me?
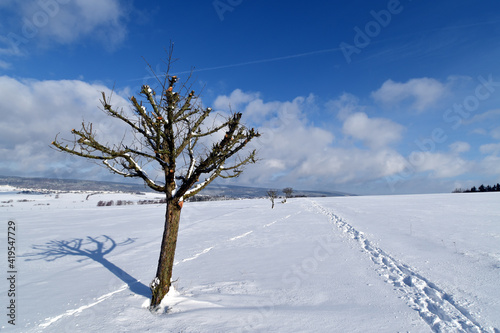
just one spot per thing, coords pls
(34, 112)
(348, 150)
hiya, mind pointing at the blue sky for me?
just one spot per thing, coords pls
(367, 97)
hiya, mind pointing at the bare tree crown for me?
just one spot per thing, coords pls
(167, 130)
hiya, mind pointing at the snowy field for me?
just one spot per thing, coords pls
(417, 263)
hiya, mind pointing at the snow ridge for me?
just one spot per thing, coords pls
(436, 307)
(195, 256)
(240, 236)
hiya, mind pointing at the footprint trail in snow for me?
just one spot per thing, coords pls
(436, 307)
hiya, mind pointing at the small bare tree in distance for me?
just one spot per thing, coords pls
(168, 125)
(272, 194)
(288, 193)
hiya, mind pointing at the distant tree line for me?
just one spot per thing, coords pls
(195, 198)
(152, 202)
(204, 197)
(103, 203)
(482, 188)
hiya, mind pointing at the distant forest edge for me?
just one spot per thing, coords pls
(482, 188)
(217, 190)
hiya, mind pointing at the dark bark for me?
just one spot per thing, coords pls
(161, 285)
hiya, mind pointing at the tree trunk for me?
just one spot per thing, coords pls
(161, 283)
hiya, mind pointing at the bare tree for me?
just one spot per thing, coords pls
(288, 193)
(168, 128)
(272, 194)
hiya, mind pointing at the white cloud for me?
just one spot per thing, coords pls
(103, 20)
(7, 46)
(490, 115)
(374, 132)
(441, 165)
(234, 100)
(33, 112)
(492, 148)
(344, 106)
(495, 133)
(459, 147)
(491, 165)
(5, 65)
(423, 92)
(479, 131)
(340, 165)
(43, 23)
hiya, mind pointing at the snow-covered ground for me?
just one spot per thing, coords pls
(418, 263)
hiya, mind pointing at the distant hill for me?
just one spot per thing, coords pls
(214, 190)
(253, 192)
(69, 184)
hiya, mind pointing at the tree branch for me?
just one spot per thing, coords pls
(170, 128)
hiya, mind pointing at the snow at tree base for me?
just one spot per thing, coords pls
(416, 263)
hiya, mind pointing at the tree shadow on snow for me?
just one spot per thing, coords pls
(94, 248)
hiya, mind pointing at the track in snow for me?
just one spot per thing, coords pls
(49, 321)
(436, 307)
